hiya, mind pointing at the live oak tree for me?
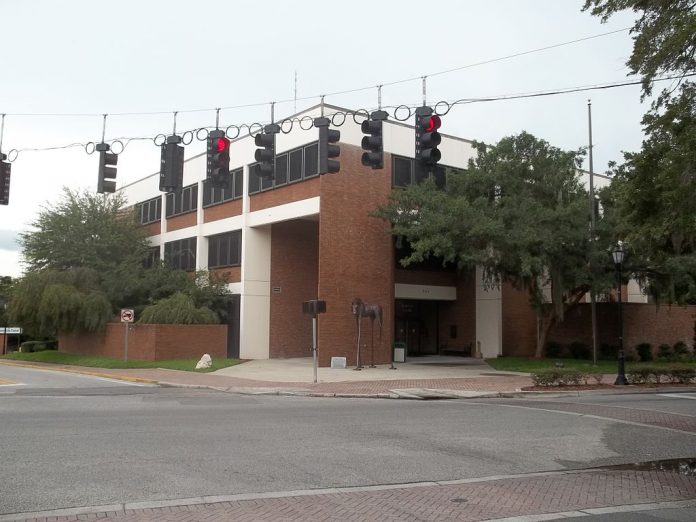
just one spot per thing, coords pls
(653, 194)
(84, 230)
(86, 259)
(520, 213)
(664, 37)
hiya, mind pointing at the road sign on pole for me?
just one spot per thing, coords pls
(11, 330)
(127, 316)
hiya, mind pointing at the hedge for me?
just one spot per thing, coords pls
(676, 374)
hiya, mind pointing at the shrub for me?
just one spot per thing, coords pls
(644, 374)
(37, 346)
(674, 373)
(178, 309)
(682, 374)
(644, 351)
(608, 352)
(681, 350)
(630, 356)
(553, 349)
(558, 377)
(579, 350)
(664, 351)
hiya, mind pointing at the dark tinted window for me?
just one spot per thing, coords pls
(149, 211)
(254, 185)
(296, 165)
(311, 158)
(402, 171)
(281, 169)
(181, 254)
(225, 249)
(184, 200)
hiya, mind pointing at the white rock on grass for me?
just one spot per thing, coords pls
(205, 362)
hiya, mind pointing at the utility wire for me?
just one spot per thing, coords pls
(462, 101)
(335, 93)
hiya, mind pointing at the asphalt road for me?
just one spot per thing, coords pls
(69, 440)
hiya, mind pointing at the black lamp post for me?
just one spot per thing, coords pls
(4, 337)
(618, 253)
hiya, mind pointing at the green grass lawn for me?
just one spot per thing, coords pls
(523, 364)
(93, 361)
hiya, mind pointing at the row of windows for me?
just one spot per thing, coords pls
(149, 211)
(291, 166)
(223, 250)
(213, 195)
(181, 201)
(407, 171)
(181, 254)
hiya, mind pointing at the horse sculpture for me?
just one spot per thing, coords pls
(374, 312)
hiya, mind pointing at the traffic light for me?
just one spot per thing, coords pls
(266, 154)
(327, 148)
(106, 180)
(218, 160)
(171, 165)
(427, 137)
(5, 169)
(373, 143)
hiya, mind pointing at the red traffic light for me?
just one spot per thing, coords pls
(433, 124)
(221, 144)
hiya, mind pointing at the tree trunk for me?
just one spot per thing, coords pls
(546, 325)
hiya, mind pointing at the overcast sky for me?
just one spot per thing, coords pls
(76, 57)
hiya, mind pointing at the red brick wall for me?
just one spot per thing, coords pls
(294, 269)
(643, 323)
(286, 194)
(223, 210)
(461, 314)
(519, 322)
(149, 342)
(181, 221)
(355, 256)
(153, 229)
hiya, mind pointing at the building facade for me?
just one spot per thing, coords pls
(303, 236)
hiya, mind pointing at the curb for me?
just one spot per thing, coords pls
(81, 372)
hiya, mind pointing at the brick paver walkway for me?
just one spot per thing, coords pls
(648, 417)
(466, 501)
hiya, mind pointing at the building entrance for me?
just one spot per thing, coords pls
(416, 324)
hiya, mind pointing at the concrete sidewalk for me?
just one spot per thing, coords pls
(422, 378)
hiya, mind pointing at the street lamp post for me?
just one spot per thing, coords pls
(618, 253)
(4, 337)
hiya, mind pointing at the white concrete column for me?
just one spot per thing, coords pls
(201, 241)
(255, 288)
(489, 319)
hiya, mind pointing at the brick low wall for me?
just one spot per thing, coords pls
(643, 323)
(149, 342)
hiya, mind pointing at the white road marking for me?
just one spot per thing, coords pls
(679, 395)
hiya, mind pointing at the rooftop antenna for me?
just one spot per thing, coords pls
(295, 92)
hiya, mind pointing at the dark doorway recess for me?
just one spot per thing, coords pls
(416, 324)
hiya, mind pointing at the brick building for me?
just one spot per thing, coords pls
(303, 236)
